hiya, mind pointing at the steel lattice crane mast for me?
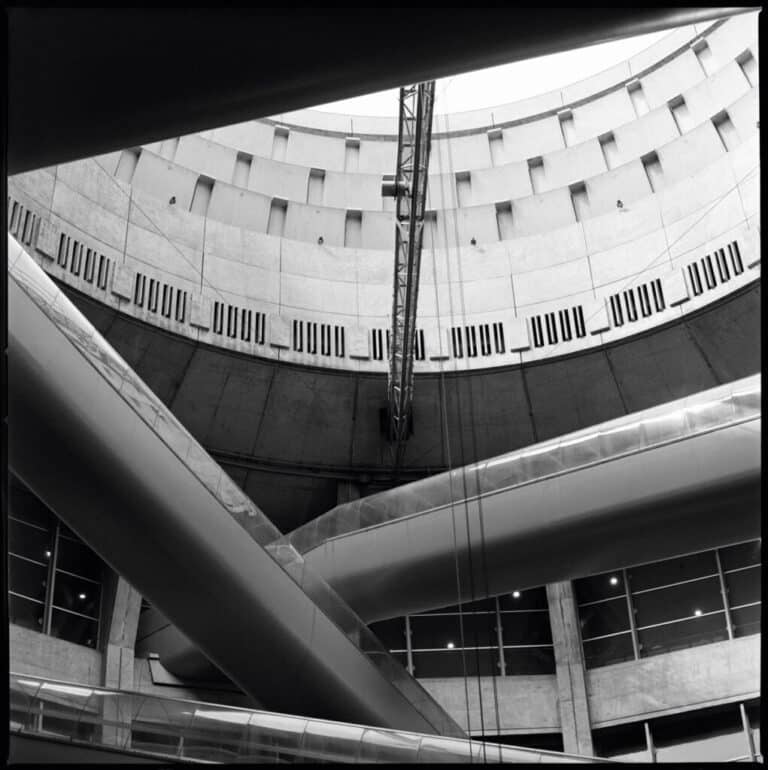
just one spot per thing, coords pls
(410, 190)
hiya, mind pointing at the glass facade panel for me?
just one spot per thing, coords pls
(526, 627)
(611, 649)
(662, 573)
(740, 555)
(452, 663)
(746, 620)
(483, 605)
(391, 633)
(24, 612)
(74, 628)
(27, 578)
(676, 602)
(607, 617)
(55, 580)
(623, 742)
(743, 586)
(706, 735)
(596, 587)
(686, 633)
(440, 631)
(527, 599)
(529, 660)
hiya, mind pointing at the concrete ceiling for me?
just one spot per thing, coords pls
(287, 434)
(84, 81)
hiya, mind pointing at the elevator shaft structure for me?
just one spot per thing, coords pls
(410, 189)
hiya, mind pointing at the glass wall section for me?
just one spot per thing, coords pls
(55, 581)
(508, 635)
(668, 605)
(717, 734)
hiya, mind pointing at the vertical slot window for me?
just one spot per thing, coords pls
(376, 344)
(312, 337)
(325, 339)
(419, 342)
(298, 336)
(498, 337)
(351, 154)
(709, 272)
(280, 143)
(168, 148)
(463, 188)
(315, 186)
(645, 300)
(658, 295)
(181, 305)
(536, 173)
(580, 201)
(126, 166)
(90, 263)
(261, 323)
(61, 258)
(695, 278)
(277, 212)
(538, 332)
(748, 65)
(653, 171)
(722, 266)
(485, 339)
(246, 321)
(167, 301)
(578, 321)
(430, 229)
(231, 321)
(504, 220)
(725, 130)
(353, 229)
(549, 319)
(629, 304)
(152, 300)
(201, 198)
(496, 146)
(103, 274)
(387, 335)
(338, 339)
(218, 317)
(471, 338)
(242, 170)
(458, 349)
(637, 97)
(565, 325)
(705, 57)
(680, 114)
(618, 316)
(733, 250)
(609, 149)
(138, 293)
(567, 127)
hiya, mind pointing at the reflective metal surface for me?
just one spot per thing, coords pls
(184, 729)
(176, 545)
(710, 410)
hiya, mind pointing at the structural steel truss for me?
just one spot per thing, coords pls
(410, 189)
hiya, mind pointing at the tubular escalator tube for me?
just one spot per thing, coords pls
(90, 439)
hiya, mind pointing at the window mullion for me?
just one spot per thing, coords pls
(500, 638)
(631, 612)
(724, 593)
(48, 613)
(408, 645)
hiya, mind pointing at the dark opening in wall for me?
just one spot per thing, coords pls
(680, 114)
(351, 154)
(126, 165)
(463, 188)
(609, 149)
(315, 186)
(353, 229)
(168, 148)
(637, 97)
(748, 65)
(277, 214)
(242, 169)
(704, 56)
(496, 146)
(725, 130)
(280, 142)
(567, 127)
(579, 200)
(504, 220)
(201, 198)
(536, 173)
(653, 171)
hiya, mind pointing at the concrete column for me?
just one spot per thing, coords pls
(118, 658)
(572, 699)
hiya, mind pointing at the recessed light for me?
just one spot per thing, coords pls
(47, 554)
(515, 594)
(449, 645)
(81, 596)
(614, 580)
(697, 613)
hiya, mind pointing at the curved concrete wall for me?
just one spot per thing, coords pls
(556, 267)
